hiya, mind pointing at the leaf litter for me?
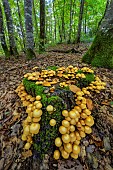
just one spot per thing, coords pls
(97, 148)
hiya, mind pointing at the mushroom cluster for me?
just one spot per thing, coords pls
(77, 121)
(31, 124)
(76, 124)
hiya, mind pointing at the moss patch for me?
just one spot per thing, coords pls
(100, 53)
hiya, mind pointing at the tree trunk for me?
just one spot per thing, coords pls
(13, 48)
(70, 29)
(100, 53)
(63, 23)
(54, 22)
(29, 29)
(2, 36)
(21, 25)
(36, 25)
(80, 21)
(42, 26)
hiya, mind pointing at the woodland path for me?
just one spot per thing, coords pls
(97, 148)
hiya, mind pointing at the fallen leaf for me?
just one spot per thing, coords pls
(89, 104)
(27, 154)
(74, 88)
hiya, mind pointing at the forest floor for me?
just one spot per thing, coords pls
(97, 148)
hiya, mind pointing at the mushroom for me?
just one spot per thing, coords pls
(87, 129)
(37, 113)
(66, 138)
(65, 113)
(65, 154)
(76, 149)
(65, 123)
(52, 122)
(75, 156)
(39, 105)
(50, 108)
(34, 128)
(27, 146)
(56, 154)
(62, 130)
(68, 147)
(38, 97)
(89, 121)
(58, 142)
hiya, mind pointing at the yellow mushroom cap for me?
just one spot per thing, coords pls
(50, 108)
(72, 128)
(36, 119)
(34, 128)
(87, 129)
(78, 109)
(68, 147)
(56, 154)
(65, 113)
(83, 106)
(76, 149)
(82, 134)
(24, 137)
(83, 115)
(65, 154)
(75, 156)
(58, 142)
(87, 111)
(77, 136)
(52, 122)
(39, 105)
(66, 138)
(27, 146)
(29, 119)
(62, 130)
(26, 129)
(73, 114)
(38, 97)
(65, 123)
(77, 142)
(89, 121)
(37, 113)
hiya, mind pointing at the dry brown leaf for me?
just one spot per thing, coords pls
(27, 154)
(15, 118)
(89, 104)
(74, 88)
(105, 103)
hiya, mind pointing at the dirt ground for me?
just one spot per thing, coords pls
(96, 149)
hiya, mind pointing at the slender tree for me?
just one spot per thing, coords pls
(2, 36)
(80, 21)
(21, 24)
(101, 51)
(29, 29)
(42, 26)
(13, 48)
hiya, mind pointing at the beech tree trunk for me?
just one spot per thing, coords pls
(100, 53)
(21, 25)
(29, 29)
(2, 36)
(80, 21)
(13, 48)
(42, 26)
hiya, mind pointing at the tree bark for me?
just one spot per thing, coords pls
(36, 25)
(21, 25)
(42, 26)
(70, 26)
(100, 53)
(29, 29)
(13, 48)
(2, 36)
(80, 21)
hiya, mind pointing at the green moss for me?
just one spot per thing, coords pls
(32, 88)
(52, 68)
(44, 141)
(100, 53)
(84, 82)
